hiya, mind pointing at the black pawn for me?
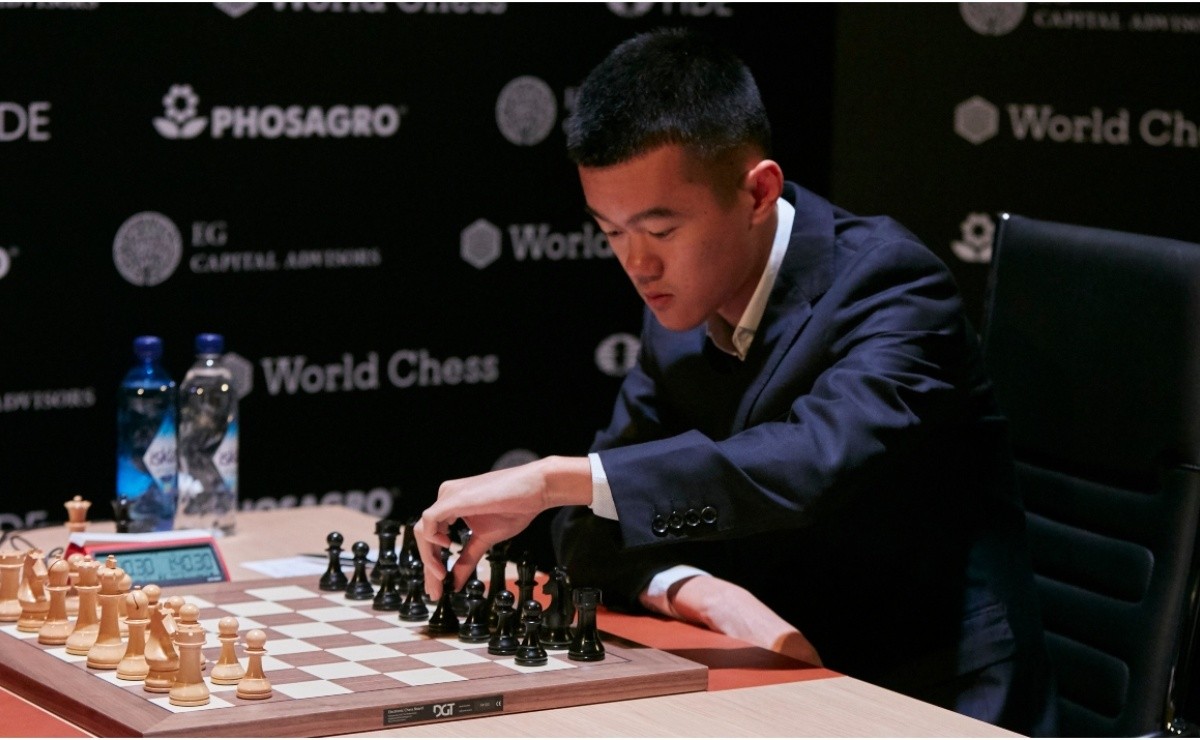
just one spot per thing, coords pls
(387, 530)
(388, 599)
(475, 628)
(334, 579)
(443, 620)
(531, 652)
(413, 609)
(121, 517)
(504, 641)
(586, 646)
(359, 588)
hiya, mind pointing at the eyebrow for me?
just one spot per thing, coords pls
(653, 212)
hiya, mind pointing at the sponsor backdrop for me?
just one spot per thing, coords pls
(371, 201)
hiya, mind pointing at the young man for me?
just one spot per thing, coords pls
(807, 455)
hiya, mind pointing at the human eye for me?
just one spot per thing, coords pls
(662, 233)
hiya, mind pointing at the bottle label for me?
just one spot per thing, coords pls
(160, 457)
(226, 458)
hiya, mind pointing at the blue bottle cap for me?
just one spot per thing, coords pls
(209, 344)
(147, 348)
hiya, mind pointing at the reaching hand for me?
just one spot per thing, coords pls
(496, 506)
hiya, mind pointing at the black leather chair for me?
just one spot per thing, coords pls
(1093, 341)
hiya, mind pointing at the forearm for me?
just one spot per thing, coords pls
(727, 608)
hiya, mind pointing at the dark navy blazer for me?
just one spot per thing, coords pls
(852, 473)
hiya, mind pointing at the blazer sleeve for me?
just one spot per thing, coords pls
(895, 356)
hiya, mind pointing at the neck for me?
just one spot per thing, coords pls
(761, 240)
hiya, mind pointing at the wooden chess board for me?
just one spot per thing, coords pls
(336, 666)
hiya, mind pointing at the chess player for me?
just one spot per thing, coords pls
(807, 455)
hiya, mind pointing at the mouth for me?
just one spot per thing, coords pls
(657, 300)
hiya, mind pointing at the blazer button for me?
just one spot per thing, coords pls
(676, 521)
(708, 515)
(659, 525)
(692, 518)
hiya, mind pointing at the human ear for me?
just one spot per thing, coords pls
(764, 182)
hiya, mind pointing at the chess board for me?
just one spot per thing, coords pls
(336, 666)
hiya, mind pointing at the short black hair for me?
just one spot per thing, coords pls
(671, 86)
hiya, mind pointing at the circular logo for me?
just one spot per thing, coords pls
(514, 458)
(526, 111)
(5, 262)
(992, 19)
(617, 355)
(630, 10)
(147, 248)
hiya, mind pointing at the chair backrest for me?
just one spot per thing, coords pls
(1092, 338)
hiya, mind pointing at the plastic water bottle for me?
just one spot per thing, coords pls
(208, 441)
(146, 440)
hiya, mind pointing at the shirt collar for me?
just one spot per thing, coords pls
(736, 340)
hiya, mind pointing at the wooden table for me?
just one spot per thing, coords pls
(752, 692)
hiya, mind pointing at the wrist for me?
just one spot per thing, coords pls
(566, 481)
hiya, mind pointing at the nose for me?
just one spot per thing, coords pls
(642, 262)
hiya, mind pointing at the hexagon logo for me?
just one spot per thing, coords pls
(479, 244)
(976, 120)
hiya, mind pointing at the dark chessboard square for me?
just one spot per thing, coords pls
(420, 647)
(281, 676)
(367, 623)
(377, 682)
(328, 642)
(312, 657)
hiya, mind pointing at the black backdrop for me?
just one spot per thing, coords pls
(378, 190)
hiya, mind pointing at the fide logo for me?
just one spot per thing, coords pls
(480, 244)
(992, 19)
(975, 246)
(617, 354)
(976, 120)
(179, 120)
(526, 111)
(147, 248)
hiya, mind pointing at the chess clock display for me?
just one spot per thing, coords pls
(165, 562)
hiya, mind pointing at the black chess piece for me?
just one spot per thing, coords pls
(504, 640)
(586, 645)
(388, 599)
(387, 530)
(526, 580)
(121, 518)
(556, 621)
(497, 564)
(475, 628)
(359, 588)
(334, 579)
(444, 621)
(409, 557)
(413, 609)
(531, 652)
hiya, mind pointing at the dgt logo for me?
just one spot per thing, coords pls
(444, 710)
(25, 121)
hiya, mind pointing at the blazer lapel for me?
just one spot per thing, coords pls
(805, 275)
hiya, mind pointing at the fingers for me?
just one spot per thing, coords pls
(430, 542)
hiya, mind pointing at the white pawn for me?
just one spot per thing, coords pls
(133, 667)
(254, 685)
(228, 670)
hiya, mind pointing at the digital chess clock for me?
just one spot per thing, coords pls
(158, 558)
